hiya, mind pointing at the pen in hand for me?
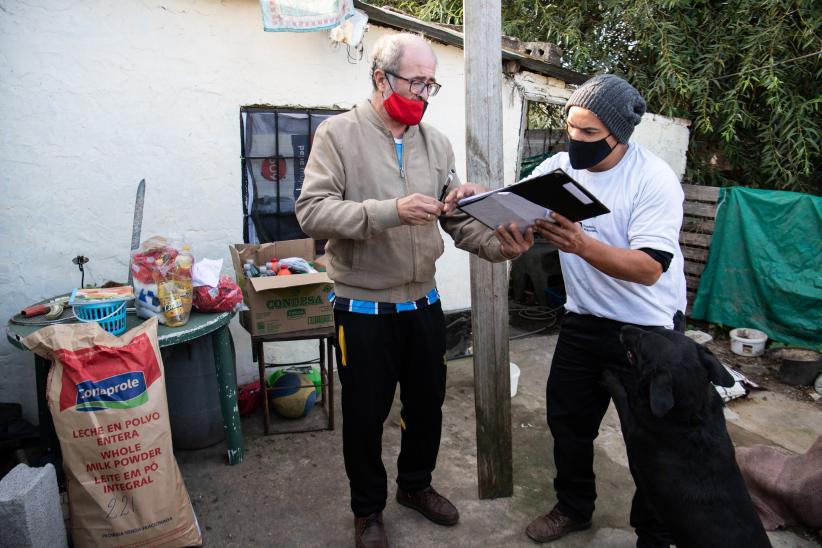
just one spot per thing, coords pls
(450, 178)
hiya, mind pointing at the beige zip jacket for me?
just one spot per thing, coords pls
(349, 196)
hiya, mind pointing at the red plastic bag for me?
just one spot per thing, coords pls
(143, 259)
(249, 397)
(223, 298)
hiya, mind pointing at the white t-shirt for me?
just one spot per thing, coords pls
(645, 199)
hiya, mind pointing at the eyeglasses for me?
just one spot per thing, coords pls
(417, 86)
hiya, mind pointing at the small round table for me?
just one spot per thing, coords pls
(199, 325)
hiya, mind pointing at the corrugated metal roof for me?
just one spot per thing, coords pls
(451, 37)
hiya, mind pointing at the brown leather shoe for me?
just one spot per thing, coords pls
(554, 525)
(369, 532)
(430, 504)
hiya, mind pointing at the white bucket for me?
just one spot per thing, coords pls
(747, 342)
(514, 378)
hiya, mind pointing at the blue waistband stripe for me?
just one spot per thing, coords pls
(375, 308)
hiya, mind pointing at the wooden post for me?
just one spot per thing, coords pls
(489, 282)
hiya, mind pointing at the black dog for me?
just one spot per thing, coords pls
(681, 455)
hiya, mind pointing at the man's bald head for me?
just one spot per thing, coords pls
(390, 49)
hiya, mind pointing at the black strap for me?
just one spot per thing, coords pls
(662, 257)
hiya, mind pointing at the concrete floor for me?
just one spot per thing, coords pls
(291, 490)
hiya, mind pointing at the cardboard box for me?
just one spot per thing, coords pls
(282, 304)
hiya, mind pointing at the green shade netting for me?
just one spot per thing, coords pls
(529, 163)
(764, 267)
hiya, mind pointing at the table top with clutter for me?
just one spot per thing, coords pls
(199, 324)
(189, 300)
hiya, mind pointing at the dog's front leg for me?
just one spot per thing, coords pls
(611, 383)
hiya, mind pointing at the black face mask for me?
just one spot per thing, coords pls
(588, 154)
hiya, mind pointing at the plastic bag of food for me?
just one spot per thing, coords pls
(107, 397)
(162, 271)
(226, 296)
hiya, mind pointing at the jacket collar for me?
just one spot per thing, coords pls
(370, 114)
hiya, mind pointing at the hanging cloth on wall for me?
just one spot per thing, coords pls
(304, 15)
(763, 267)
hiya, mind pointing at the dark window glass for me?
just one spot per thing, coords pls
(275, 145)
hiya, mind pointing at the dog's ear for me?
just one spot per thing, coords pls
(662, 394)
(717, 373)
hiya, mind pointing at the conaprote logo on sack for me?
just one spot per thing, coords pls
(108, 377)
(118, 392)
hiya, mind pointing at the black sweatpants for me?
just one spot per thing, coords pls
(374, 353)
(576, 403)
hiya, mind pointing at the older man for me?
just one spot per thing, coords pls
(373, 187)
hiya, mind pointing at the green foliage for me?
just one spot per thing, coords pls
(746, 73)
(545, 115)
(448, 12)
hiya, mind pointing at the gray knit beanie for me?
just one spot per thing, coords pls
(616, 102)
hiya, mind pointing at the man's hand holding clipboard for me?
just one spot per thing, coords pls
(515, 239)
(525, 202)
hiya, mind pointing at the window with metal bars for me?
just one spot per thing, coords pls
(275, 145)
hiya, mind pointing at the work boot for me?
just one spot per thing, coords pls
(554, 525)
(369, 532)
(430, 504)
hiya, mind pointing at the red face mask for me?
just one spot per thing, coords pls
(403, 110)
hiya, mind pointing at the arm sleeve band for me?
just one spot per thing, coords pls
(662, 257)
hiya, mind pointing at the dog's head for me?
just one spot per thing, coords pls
(673, 369)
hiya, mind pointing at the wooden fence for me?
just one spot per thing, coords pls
(697, 231)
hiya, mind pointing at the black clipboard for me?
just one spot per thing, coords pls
(532, 199)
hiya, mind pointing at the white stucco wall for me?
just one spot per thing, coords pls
(95, 96)
(666, 137)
